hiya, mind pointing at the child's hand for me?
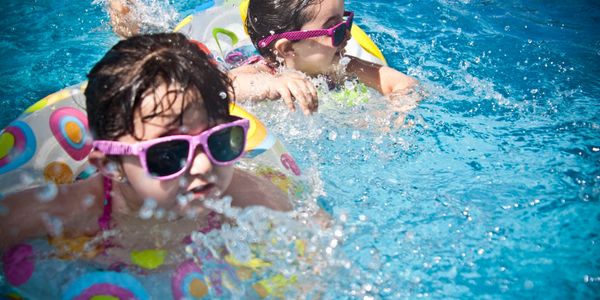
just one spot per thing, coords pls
(256, 83)
(121, 18)
(293, 85)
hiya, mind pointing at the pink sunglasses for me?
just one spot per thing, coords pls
(337, 33)
(168, 157)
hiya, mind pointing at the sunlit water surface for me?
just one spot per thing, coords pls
(489, 189)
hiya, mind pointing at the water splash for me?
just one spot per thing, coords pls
(288, 244)
(149, 16)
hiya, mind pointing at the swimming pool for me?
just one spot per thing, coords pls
(491, 190)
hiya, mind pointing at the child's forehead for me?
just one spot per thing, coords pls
(166, 104)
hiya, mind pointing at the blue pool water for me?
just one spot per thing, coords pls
(492, 188)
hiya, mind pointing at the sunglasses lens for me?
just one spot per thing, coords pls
(339, 35)
(167, 158)
(227, 144)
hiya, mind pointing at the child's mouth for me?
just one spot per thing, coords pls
(201, 191)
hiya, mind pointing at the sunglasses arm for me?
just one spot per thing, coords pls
(294, 36)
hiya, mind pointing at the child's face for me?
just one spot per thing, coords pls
(201, 178)
(316, 56)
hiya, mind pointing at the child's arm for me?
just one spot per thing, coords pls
(382, 78)
(47, 210)
(121, 18)
(255, 82)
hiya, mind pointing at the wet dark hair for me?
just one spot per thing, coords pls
(267, 17)
(137, 66)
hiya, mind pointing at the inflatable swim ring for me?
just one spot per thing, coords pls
(220, 25)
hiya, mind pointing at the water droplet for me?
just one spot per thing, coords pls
(53, 224)
(88, 200)
(184, 129)
(48, 192)
(112, 167)
(344, 61)
(159, 213)
(332, 135)
(182, 200)
(333, 243)
(26, 179)
(147, 210)
(343, 218)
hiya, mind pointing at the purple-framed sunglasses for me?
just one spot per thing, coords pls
(337, 33)
(168, 157)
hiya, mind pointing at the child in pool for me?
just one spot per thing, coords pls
(273, 27)
(159, 112)
(310, 36)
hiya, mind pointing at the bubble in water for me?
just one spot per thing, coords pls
(355, 135)
(147, 210)
(48, 192)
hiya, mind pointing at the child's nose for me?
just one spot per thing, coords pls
(201, 164)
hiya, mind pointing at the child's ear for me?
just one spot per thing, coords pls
(283, 48)
(107, 167)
